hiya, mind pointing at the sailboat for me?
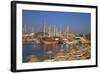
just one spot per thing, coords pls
(50, 40)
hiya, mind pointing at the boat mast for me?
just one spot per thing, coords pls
(49, 30)
(44, 30)
(60, 30)
(33, 29)
(67, 31)
(54, 31)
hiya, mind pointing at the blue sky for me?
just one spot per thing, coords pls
(77, 22)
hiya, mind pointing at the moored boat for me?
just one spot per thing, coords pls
(50, 40)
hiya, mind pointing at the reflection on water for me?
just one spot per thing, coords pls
(42, 52)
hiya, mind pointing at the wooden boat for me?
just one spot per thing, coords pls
(50, 41)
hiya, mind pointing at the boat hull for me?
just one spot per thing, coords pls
(49, 42)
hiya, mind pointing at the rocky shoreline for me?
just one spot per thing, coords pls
(75, 53)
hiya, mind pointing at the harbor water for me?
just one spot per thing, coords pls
(40, 51)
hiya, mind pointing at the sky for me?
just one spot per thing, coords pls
(77, 22)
